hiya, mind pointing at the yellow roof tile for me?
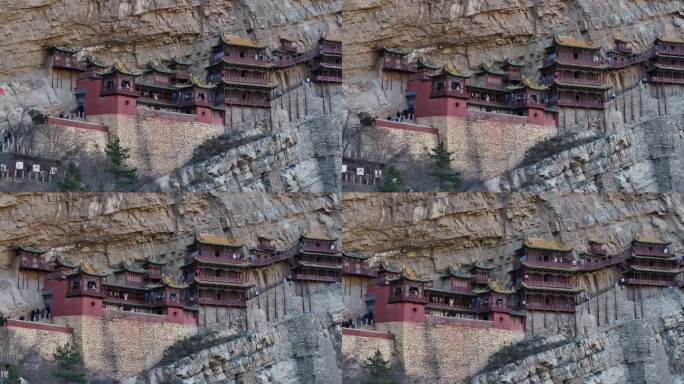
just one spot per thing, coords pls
(206, 238)
(576, 43)
(240, 41)
(546, 244)
(649, 240)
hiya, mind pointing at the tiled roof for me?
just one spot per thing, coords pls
(157, 66)
(397, 51)
(424, 63)
(458, 273)
(65, 49)
(649, 240)
(240, 41)
(317, 236)
(121, 68)
(355, 255)
(128, 265)
(205, 238)
(389, 267)
(546, 244)
(533, 84)
(671, 39)
(173, 283)
(576, 43)
(31, 249)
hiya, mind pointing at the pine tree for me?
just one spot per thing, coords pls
(13, 375)
(449, 180)
(393, 181)
(69, 365)
(72, 181)
(378, 369)
(117, 155)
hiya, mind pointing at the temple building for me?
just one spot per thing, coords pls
(328, 68)
(650, 262)
(500, 305)
(79, 292)
(399, 299)
(396, 60)
(157, 87)
(216, 272)
(455, 296)
(318, 260)
(181, 70)
(482, 275)
(576, 74)
(354, 264)
(546, 276)
(31, 259)
(171, 298)
(489, 91)
(667, 63)
(65, 67)
(154, 268)
(243, 71)
(513, 72)
(126, 288)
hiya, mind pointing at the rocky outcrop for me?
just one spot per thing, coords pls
(297, 348)
(634, 351)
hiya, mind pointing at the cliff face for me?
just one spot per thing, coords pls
(108, 228)
(431, 231)
(633, 351)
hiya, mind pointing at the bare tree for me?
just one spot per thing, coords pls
(16, 123)
(56, 142)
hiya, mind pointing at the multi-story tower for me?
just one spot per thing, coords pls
(576, 74)
(126, 288)
(651, 263)
(156, 87)
(455, 297)
(65, 68)
(545, 275)
(319, 259)
(216, 272)
(489, 91)
(329, 63)
(242, 69)
(667, 64)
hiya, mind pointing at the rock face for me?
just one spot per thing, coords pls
(631, 352)
(108, 228)
(298, 348)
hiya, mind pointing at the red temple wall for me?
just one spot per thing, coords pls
(96, 105)
(72, 306)
(385, 312)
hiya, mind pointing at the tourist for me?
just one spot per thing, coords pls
(2, 320)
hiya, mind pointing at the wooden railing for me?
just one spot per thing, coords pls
(550, 307)
(568, 60)
(262, 61)
(538, 282)
(581, 104)
(399, 66)
(449, 93)
(246, 79)
(83, 291)
(312, 277)
(665, 79)
(549, 263)
(119, 91)
(217, 279)
(361, 271)
(34, 263)
(222, 302)
(60, 62)
(454, 307)
(408, 298)
(247, 102)
(645, 281)
(328, 79)
(331, 49)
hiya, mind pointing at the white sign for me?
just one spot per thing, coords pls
(360, 171)
(4, 374)
(53, 170)
(3, 167)
(344, 168)
(20, 165)
(378, 173)
(36, 167)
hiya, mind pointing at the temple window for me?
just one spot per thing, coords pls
(440, 86)
(575, 55)
(217, 253)
(109, 84)
(126, 84)
(456, 85)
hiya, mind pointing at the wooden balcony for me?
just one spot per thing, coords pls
(313, 277)
(527, 103)
(154, 274)
(569, 60)
(490, 103)
(447, 307)
(514, 76)
(641, 251)
(592, 82)
(328, 79)
(167, 302)
(182, 74)
(481, 279)
(665, 79)
(246, 80)
(664, 49)
(408, 298)
(158, 102)
(249, 60)
(550, 263)
(399, 66)
(292, 61)
(646, 281)
(331, 49)
(493, 307)
(570, 308)
(222, 302)
(581, 104)
(323, 247)
(120, 91)
(359, 271)
(83, 291)
(539, 282)
(60, 62)
(208, 278)
(247, 102)
(36, 264)
(461, 93)
(129, 300)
